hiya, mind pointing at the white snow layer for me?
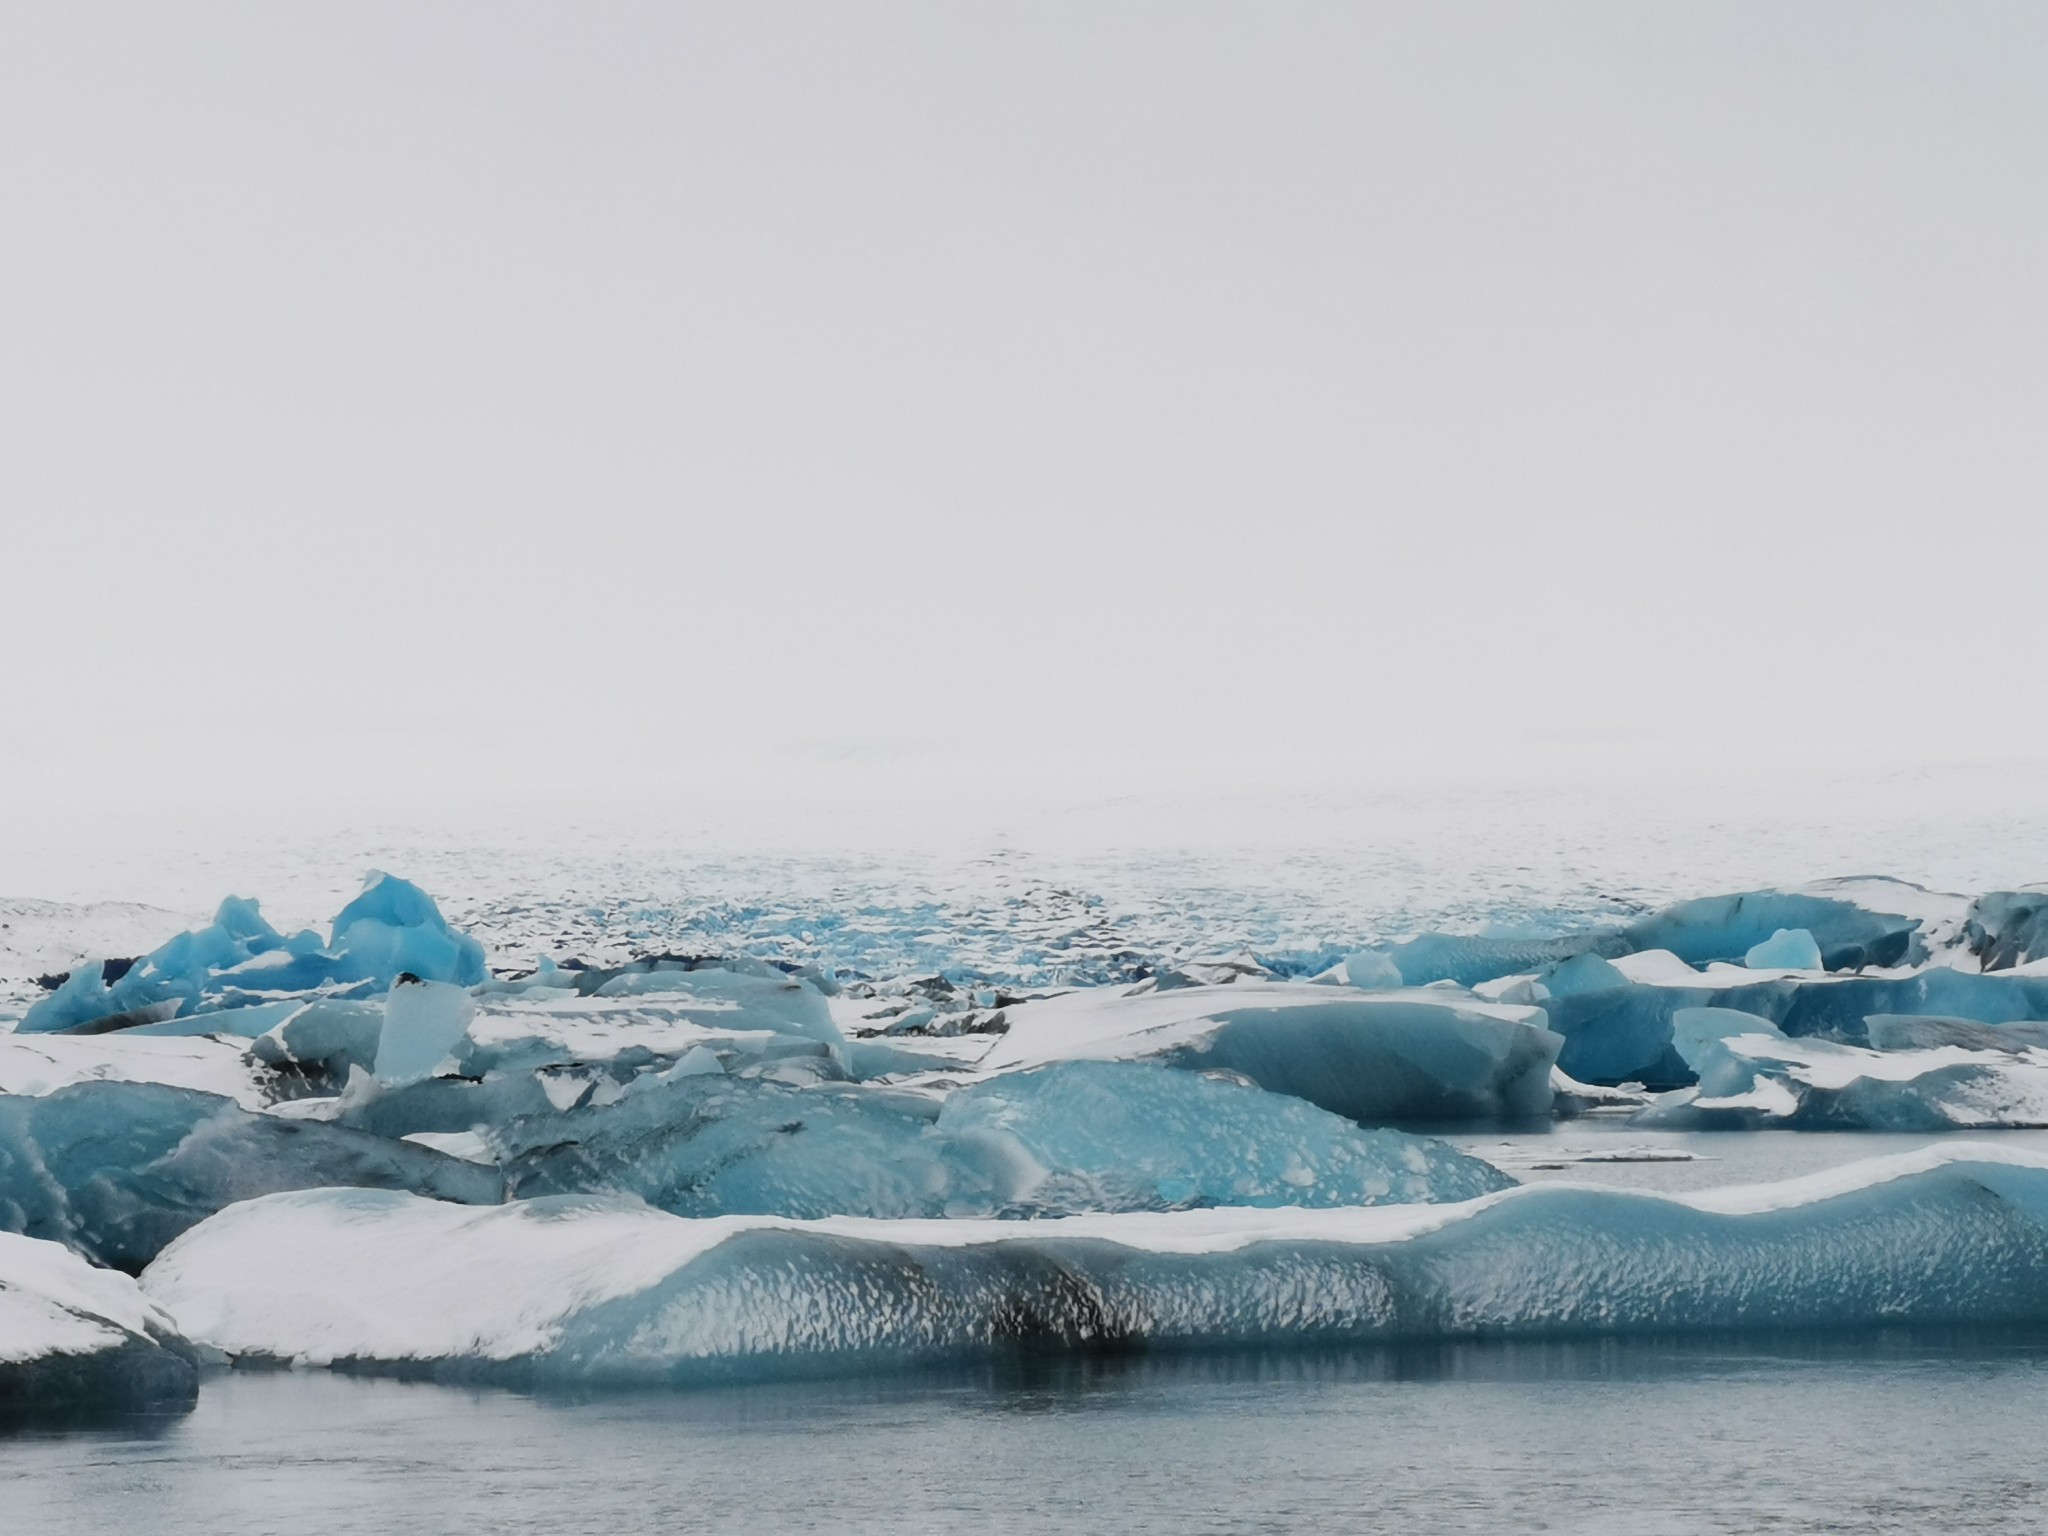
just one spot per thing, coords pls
(54, 1303)
(39, 1064)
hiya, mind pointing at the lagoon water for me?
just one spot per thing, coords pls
(1905, 1433)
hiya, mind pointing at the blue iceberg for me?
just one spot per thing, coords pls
(1416, 1056)
(579, 1290)
(1849, 935)
(115, 1170)
(1789, 949)
(1624, 1034)
(1077, 1136)
(1854, 923)
(239, 960)
(1124, 1136)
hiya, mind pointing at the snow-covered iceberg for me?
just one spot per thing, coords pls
(1070, 1137)
(582, 1290)
(75, 1337)
(116, 1170)
(238, 959)
(1752, 1075)
(36, 1064)
(1375, 1057)
(1853, 923)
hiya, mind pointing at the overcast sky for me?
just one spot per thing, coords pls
(590, 397)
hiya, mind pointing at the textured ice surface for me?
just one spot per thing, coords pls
(238, 958)
(322, 1040)
(2007, 928)
(1623, 1034)
(581, 1290)
(1077, 1136)
(1752, 1075)
(704, 1144)
(1417, 1055)
(1121, 1136)
(116, 1170)
(75, 1336)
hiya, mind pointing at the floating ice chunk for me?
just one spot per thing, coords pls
(1751, 1074)
(116, 1170)
(1653, 968)
(1417, 1055)
(1623, 1034)
(423, 1023)
(1468, 959)
(697, 1061)
(1727, 927)
(582, 1290)
(467, 1145)
(76, 1337)
(322, 1040)
(1119, 1136)
(1588, 973)
(1372, 969)
(1789, 949)
(1570, 1097)
(905, 1057)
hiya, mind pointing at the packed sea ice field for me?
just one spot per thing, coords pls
(556, 1118)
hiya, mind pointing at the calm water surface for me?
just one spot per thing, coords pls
(1905, 1434)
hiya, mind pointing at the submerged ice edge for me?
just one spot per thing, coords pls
(577, 1289)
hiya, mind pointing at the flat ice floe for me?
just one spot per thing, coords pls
(573, 1290)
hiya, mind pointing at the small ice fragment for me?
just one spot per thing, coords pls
(1789, 949)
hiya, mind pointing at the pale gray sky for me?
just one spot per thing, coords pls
(591, 396)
